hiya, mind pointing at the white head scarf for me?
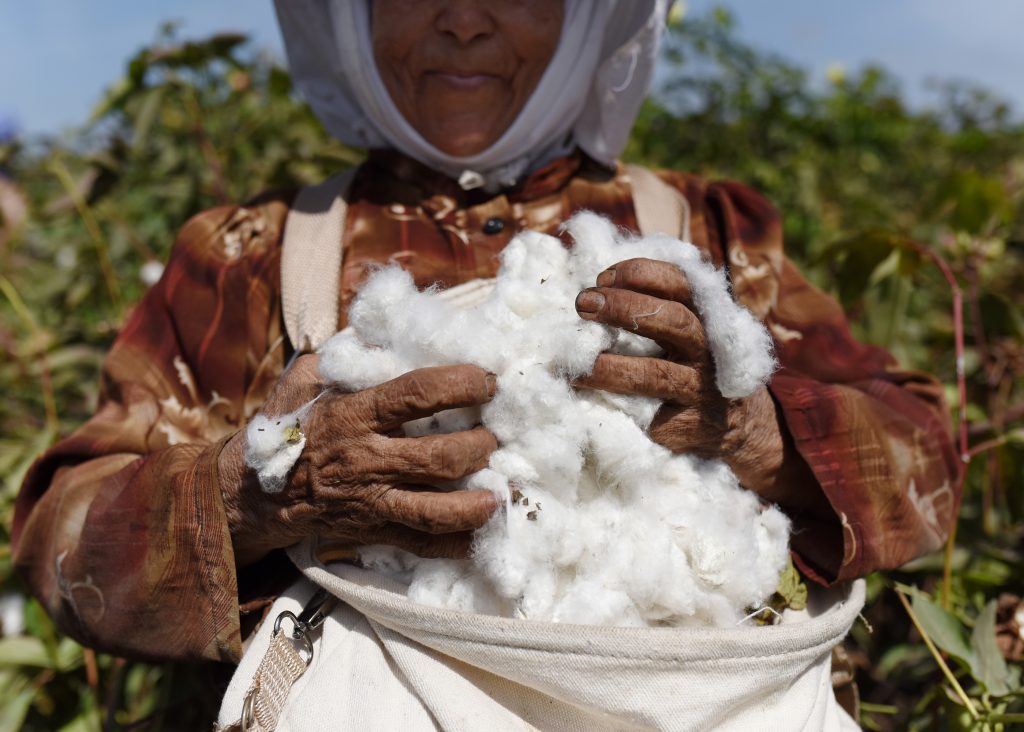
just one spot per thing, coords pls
(588, 96)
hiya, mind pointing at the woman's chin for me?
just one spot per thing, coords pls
(461, 144)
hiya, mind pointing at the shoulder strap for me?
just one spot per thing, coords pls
(660, 208)
(311, 261)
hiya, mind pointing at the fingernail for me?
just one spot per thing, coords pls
(606, 278)
(589, 302)
(492, 383)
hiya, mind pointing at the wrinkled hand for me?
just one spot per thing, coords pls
(357, 479)
(653, 299)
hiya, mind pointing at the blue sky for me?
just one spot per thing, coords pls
(976, 40)
(56, 56)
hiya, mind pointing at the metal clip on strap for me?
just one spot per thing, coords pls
(286, 659)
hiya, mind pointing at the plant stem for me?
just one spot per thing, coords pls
(1007, 717)
(89, 220)
(92, 673)
(938, 658)
(947, 568)
(1012, 414)
(878, 708)
(961, 389)
(209, 152)
(46, 383)
(14, 297)
(987, 445)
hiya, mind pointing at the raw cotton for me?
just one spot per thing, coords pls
(273, 445)
(601, 525)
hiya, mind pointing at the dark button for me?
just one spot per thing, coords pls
(494, 225)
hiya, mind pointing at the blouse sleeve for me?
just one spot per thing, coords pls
(120, 528)
(877, 438)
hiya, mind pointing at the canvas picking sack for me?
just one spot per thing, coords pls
(380, 662)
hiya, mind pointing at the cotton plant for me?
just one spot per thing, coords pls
(600, 525)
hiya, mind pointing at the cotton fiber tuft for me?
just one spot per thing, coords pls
(601, 525)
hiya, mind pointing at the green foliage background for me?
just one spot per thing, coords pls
(856, 173)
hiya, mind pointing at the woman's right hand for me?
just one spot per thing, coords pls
(354, 482)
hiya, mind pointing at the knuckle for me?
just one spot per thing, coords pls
(685, 324)
(446, 460)
(432, 523)
(643, 269)
(307, 365)
(663, 373)
(379, 504)
(417, 387)
(634, 266)
(640, 372)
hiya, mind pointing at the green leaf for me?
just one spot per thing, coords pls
(148, 112)
(944, 628)
(990, 668)
(1001, 315)
(792, 588)
(903, 654)
(69, 654)
(24, 650)
(14, 709)
(855, 261)
(88, 719)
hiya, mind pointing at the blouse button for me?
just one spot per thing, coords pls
(494, 225)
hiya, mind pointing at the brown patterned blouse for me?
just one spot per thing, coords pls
(120, 528)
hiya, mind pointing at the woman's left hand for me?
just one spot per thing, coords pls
(653, 299)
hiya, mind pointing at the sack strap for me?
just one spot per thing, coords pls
(660, 208)
(287, 657)
(311, 259)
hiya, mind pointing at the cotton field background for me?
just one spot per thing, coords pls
(860, 178)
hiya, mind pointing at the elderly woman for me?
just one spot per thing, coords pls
(145, 534)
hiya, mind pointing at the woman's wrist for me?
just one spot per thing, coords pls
(236, 482)
(769, 464)
(765, 460)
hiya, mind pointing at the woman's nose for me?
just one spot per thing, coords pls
(465, 20)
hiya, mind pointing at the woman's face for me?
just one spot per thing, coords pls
(460, 71)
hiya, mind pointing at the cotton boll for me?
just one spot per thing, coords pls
(382, 300)
(490, 480)
(592, 602)
(734, 332)
(273, 445)
(513, 466)
(632, 344)
(390, 561)
(437, 584)
(599, 524)
(354, 366)
(596, 247)
(621, 452)
(530, 261)
(506, 571)
(640, 409)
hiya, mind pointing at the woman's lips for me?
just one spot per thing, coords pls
(461, 79)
